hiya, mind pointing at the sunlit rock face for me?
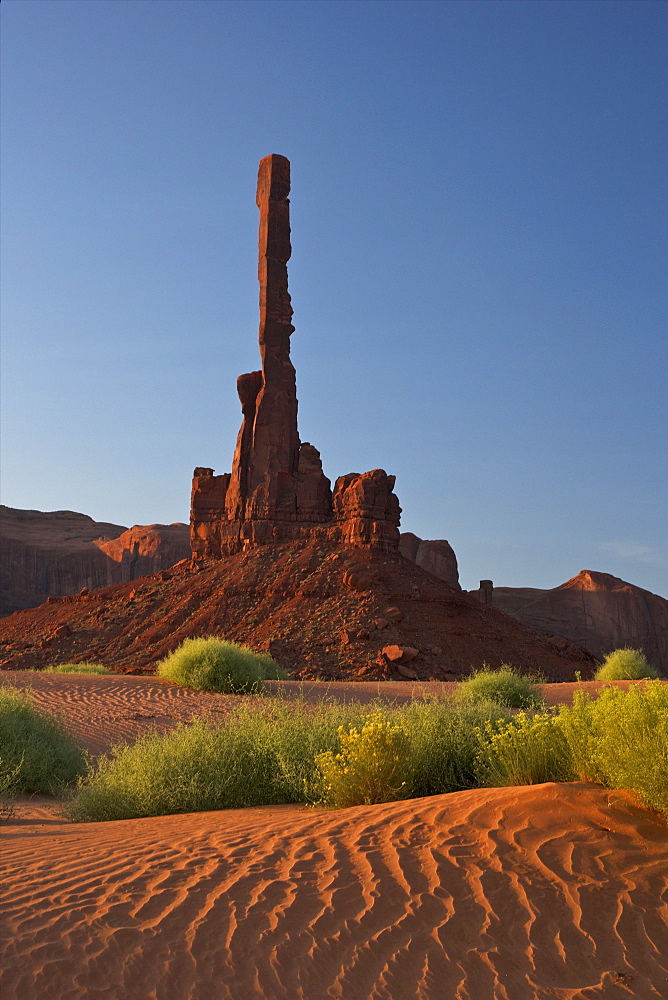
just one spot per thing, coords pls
(52, 554)
(277, 490)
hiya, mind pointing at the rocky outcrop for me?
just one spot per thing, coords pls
(332, 612)
(277, 491)
(47, 554)
(595, 610)
(436, 556)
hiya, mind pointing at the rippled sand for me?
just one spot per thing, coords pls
(548, 891)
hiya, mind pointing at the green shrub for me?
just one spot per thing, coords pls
(263, 754)
(372, 765)
(505, 686)
(78, 668)
(196, 767)
(526, 750)
(297, 732)
(445, 743)
(266, 753)
(625, 665)
(37, 754)
(621, 739)
(211, 664)
(270, 751)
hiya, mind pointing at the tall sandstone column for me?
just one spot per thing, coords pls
(277, 490)
(266, 461)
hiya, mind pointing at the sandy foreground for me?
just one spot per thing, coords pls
(547, 891)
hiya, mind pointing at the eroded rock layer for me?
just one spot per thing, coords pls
(337, 612)
(55, 553)
(277, 490)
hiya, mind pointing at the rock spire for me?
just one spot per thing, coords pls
(277, 490)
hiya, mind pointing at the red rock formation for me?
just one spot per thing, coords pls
(59, 552)
(277, 490)
(595, 610)
(436, 556)
(329, 612)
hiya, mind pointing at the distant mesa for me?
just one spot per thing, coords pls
(595, 611)
(49, 554)
(277, 491)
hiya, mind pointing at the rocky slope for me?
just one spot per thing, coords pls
(332, 612)
(55, 553)
(595, 610)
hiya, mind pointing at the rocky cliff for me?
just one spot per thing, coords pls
(45, 554)
(280, 560)
(595, 610)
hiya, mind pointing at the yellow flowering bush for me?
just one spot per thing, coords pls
(527, 750)
(372, 765)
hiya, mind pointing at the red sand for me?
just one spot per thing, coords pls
(547, 891)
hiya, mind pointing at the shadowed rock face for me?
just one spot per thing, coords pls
(596, 611)
(436, 556)
(277, 491)
(57, 553)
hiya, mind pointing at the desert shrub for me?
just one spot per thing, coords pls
(297, 733)
(211, 664)
(264, 754)
(621, 739)
(625, 665)
(525, 750)
(8, 790)
(196, 767)
(505, 686)
(78, 668)
(371, 766)
(37, 754)
(444, 743)
(267, 751)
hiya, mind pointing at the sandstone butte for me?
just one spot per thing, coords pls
(282, 561)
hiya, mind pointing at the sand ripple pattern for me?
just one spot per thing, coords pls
(102, 710)
(550, 891)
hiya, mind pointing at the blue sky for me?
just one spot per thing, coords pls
(478, 270)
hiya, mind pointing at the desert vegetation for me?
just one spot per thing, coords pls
(212, 664)
(506, 686)
(37, 755)
(272, 752)
(78, 668)
(625, 665)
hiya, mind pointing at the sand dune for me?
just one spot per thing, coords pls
(550, 891)
(115, 708)
(503, 894)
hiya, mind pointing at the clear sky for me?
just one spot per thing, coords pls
(478, 271)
